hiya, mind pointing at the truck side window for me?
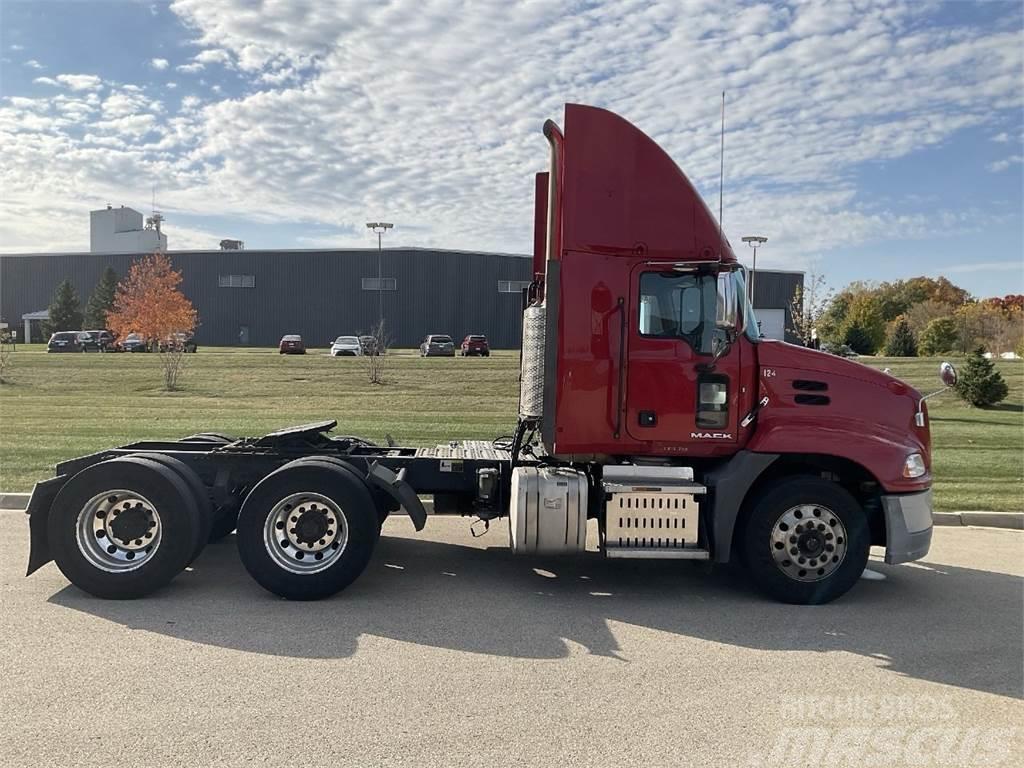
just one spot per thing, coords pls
(679, 305)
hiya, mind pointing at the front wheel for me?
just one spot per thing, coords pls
(307, 530)
(805, 541)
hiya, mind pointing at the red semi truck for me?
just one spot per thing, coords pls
(648, 402)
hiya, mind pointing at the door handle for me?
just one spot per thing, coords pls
(753, 411)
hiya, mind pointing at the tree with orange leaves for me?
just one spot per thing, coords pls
(149, 303)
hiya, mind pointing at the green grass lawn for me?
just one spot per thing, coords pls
(61, 406)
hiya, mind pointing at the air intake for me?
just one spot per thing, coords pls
(809, 385)
(811, 400)
(531, 383)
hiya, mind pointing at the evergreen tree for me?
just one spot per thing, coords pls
(65, 310)
(101, 301)
(980, 384)
(858, 338)
(939, 336)
(902, 342)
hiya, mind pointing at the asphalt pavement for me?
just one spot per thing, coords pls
(449, 651)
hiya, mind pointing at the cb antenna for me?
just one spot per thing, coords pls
(721, 177)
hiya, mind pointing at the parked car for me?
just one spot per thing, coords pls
(346, 346)
(66, 341)
(369, 345)
(291, 344)
(475, 345)
(182, 341)
(97, 341)
(134, 342)
(437, 345)
(840, 350)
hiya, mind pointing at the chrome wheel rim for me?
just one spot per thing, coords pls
(118, 531)
(808, 542)
(305, 533)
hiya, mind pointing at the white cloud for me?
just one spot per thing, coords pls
(74, 82)
(159, 64)
(123, 103)
(1007, 162)
(16, 47)
(212, 56)
(429, 113)
(33, 64)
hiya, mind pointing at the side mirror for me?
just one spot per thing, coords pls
(727, 309)
(947, 373)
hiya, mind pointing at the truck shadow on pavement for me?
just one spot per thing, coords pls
(945, 624)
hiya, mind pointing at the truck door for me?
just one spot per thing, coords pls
(674, 328)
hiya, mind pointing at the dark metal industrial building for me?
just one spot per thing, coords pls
(254, 297)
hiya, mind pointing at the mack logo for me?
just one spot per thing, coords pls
(711, 436)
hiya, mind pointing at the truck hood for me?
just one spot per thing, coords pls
(782, 355)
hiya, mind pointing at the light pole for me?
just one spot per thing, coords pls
(379, 228)
(754, 241)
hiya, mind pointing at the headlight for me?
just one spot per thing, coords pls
(914, 465)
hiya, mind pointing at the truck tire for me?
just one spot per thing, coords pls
(805, 541)
(93, 544)
(223, 518)
(382, 510)
(200, 493)
(307, 530)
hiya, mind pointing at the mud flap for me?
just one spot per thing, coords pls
(38, 514)
(395, 486)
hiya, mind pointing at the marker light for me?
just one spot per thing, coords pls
(914, 465)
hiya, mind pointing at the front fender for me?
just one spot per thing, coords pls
(880, 450)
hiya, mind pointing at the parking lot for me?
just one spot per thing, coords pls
(444, 653)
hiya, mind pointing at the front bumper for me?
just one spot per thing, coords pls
(908, 526)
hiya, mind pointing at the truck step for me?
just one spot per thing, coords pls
(633, 553)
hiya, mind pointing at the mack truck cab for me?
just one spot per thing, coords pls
(642, 355)
(652, 414)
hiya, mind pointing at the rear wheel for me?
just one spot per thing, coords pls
(223, 517)
(200, 493)
(123, 528)
(307, 530)
(805, 541)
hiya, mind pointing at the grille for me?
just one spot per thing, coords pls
(651, 520)
(531, 385)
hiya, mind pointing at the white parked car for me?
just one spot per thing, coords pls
(346, 345)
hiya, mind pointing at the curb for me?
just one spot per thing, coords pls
(1011, 520)
(15, 501)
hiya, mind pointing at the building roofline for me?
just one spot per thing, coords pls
(285, 251)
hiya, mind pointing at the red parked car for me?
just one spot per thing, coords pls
(475, 345)
(291, 345)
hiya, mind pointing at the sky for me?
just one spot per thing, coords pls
(867, 140)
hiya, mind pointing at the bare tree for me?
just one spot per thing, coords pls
(375, 354)
(808, 304)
